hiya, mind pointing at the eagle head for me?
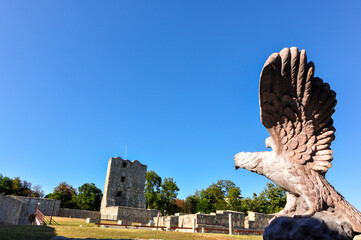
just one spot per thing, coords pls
(247, 160)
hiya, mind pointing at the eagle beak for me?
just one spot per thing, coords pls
(236, 158)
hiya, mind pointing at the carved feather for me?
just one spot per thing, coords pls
(297, 109)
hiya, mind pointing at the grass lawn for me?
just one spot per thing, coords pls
(71, 228)
(142, 234)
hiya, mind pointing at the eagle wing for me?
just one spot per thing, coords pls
(296, 108)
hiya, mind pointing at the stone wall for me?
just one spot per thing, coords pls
(187, 220)
(129, 214)
(30, 204)
(219, 220)
(10, 209)
(77, 213)
(16, 209)
(256, 220)
(166, 221)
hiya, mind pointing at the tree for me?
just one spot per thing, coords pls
(160, 194)
(246, 205)
(225, 186)
(6, 185)
(89, 197)
(26, 188)
(151, 190)
(204, 206)
(208, 199)
(233, 199)
(16, 186)
(271, 200)
(66, 194)
(275, 196)
(215, 196)
(37, 191)
(191, 202)
(167, 195)
(181, 205)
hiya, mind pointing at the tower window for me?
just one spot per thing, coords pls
(122, 179)
(119, 193)
(125, 164)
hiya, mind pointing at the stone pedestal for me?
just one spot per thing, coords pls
(320, 226)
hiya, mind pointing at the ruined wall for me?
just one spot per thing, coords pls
(220, 220)
(213, 220)
(124, 184)
(166, 221)
(129, 214)
(256, 220)
(77, 213)
(16, 209)
(187, 220)
(10, 209)
(30, 204)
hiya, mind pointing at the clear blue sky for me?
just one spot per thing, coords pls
(174, 81)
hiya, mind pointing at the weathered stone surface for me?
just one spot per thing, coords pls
(166, 221)
(217, 220)
(256, 220)
(77, 213)
(16, 209)
(129, 214)
(124, 184)
(93, 220)
(320, 226)
(10, 209)
(296, 109)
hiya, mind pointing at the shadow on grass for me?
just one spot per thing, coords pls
(26, 232)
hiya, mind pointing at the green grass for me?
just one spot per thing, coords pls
(73, 230)
(116, 233)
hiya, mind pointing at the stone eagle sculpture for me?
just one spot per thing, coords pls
(296, 108)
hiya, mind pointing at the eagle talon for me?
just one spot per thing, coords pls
(309, 213)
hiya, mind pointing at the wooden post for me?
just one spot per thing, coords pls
(52, 211)
(230, 223)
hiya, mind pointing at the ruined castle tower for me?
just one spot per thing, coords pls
(124, 184)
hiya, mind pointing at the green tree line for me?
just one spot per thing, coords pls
(222, 195)
(16, 186)
(225, 195)
(86, 197)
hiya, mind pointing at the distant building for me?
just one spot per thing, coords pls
(124, 184)
(123, 197)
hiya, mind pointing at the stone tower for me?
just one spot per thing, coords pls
(124, 184)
